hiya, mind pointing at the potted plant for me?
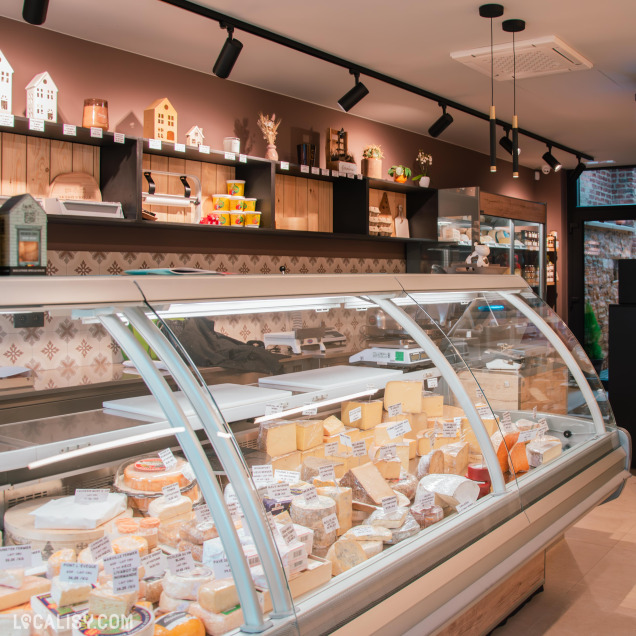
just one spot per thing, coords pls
(399, 173)
(424, 162)
(372, 156)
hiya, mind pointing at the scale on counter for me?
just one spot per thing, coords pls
(405, 355)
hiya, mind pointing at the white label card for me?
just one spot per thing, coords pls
(359, 176)
(119, 138)
(272, 409)
(315, 170)
(387, 451)
(188, 473)
(462, 507)
(202, 513)
(355, 414)
(362, 531)
(327, 473)
(389, 504)
(70, 130)
(311, 495)
(98, 133)
(288, 476)
(122, 561)
(204, 149)
(284, 165)
(304, 169)
(469, 334)
(85, 573)
(126, 581)
(324, 172)
(506, 422)
(310, 410)
(221, 567)
(425, 499)
(154, 564)
(263, 473)
(484, 411)
(242, 158)
(479, 393)
(360, 448)
(168, 459)
(395, 409)
(279, 491)
(180, 562)
(543, 426)
(233, 508)
(172, 492)
(230, 156)
(36, 559)
(431, 383)
(335, 173)
(154, 144)
(526, 436)
(345, 440)
(331, 448)
(449, 429)
(90, 495)
(253, 560)
(179, 147)
(101, 548)
(350, 176)
(330, 523)
(534, 412)
(36, 124)
(15, 556)
(7, 120)
(288, 533)
(398, 429)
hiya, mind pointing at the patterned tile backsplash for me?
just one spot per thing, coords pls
(66, 352)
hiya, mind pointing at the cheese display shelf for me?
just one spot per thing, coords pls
(441, 432)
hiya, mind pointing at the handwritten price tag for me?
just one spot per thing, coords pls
(526, 436)
(172, 492)
(101, 548)
(154, 144)
(97, 133)
(242, 158)
(315, 170)
(345, 440)
(425, 499)
(154, 564)
(331, 448)
(36, 124)
(389, 504)
(204, 149)
(119, 138)
(179, 148)
(327, 473)
(431, 383)
(387, 451)
(167, 457)
(311, 495)
(279, 491)
(263, 473)
(361, 531)
(543, 426)
(288, 533)
(70, 130)
(398, 429)
(289, 476)
(202, 513)
(484, 411)
(221, 567)
(126, 581)
(284, 165)
(304, 169)
(359, 448)
(310, 410)
(449, 429)
(395, 409)
(355, 414)
(230, 156)
(272, 409)
(534, 413)
(462, 507)
(6, 120)
(330, 523)
(324, 173)
(122, 561)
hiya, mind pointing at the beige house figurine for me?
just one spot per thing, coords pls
(42, 98)
(195, 136)
(160, 121)
(6, 82)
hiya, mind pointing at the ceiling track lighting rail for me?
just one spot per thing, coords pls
(271, 36)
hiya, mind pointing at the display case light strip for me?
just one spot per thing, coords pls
(88, 450)
(317, 405)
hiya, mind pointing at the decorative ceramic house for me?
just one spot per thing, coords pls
(194, 136)
(42, 98)
(6, 82)
(160, 121)
(22, 236)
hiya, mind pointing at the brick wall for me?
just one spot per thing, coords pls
(615, 186)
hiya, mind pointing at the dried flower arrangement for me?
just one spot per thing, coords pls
(269, 127)
(372, 151)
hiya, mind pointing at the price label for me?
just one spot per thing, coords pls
(242, 158)
(462, 507)
(125, 581)
(85, 573)
(272, 523)
(449, 429)
(479, 393)
(359, 176)
(172, 492)
(15, 556)
(431, 383)
(204, 149)
(389, 504)
(202, 513)
(361, 531)
(506, 422)
(315, 170)
(7, 120)
(350, 176)
(311, 495)
(70, 130)
(179, 147)
(36, 124)
(263, 473)
(324, 173)
(253, 560)
(101, 548)
(355, 414)
(288, 476)
(395, 409)
(485, 412)
(359, 448)
(345, 440)
(327, 473)
(387, 451)
(180, 562)
(233, 509)
(154, 144)
(534, 413)
(398, 429)
(304, 169)
(526, 436)
(469, 334)
(424, 498)
(97, 133)
(288, 533)
(284, 165)
(36, 559)
(221, 567)
(119, 138)
(230, 156)
(543, 426)
(310, 410)
(187, 472)
(122, 561)
(279, 491)
(331, 448)
(168, 459)
(90, 495)
(272, 409)
(335, 173)
(330, 522)
(154, 564)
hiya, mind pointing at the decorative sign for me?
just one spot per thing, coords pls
(119, 138)
(90, 495)
(398, 429)
(179, 147)
(289, 476)
(180, 562)
(327, 473)
(263, 473)
(70, 130)
(395, 409)
(101, 548)
(15, 556)
(230, 156)
(360, 448)
(330, 523)
(98, 133)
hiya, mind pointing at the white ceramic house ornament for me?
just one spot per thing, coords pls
(6, 82)
(195, 136)
(42, 98)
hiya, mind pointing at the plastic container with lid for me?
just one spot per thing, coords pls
(249, 205)
(221, 202)
(235, 187)
(252, 219)
(237, 219)
(236, 203)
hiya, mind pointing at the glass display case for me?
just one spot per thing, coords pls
(287, 454)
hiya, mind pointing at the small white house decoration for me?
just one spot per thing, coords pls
(22, 236)
(6, 82)
(42, 98)
(195, 136)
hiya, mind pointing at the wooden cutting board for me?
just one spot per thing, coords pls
(78, 186)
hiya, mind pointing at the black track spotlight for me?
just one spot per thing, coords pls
(551, 160)
(352, 97)
(34, 11)
(578, 171)
(228, 55)
(441, 124)
(506, 143)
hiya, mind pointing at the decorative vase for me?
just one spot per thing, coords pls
(372, 168)
(425, 182)
(272, 153)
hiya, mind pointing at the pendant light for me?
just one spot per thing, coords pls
(514, 26)
(491, 11)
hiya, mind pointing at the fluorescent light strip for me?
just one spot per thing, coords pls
(88, 450)
(317, 405)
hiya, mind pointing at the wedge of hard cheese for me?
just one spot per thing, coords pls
(367, 484)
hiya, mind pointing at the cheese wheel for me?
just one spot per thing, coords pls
(149, 474)
(311, 515)
(165, 510)
(478, 472)
(427, 515)
(186, 586)
(179, 624)
(168, 603)
(139, 621)
(54, 564)
(133, 542)
(344, 502)
(344, 555)
(218, 624)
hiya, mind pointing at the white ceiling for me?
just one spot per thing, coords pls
(593, 111)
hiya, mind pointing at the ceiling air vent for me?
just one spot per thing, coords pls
(540, 56)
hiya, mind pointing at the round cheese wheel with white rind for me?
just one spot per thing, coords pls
(311, 515)
(169, 604)
(179, 624)
(186, 586)
(132, 542)
(149, 474)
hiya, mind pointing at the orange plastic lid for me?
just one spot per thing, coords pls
(150, 522)
(126, 526)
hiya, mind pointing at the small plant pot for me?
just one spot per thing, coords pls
(425, 182)
(400, 179)
(372, 168)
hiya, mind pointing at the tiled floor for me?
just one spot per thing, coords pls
(590, 587)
